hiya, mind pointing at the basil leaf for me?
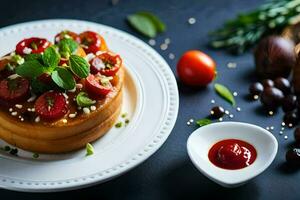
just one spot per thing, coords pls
(83, 100)
(39, 87)
(50, 57)
(160, 26)
(63, 78)
(142, 24)
(89, 149)
(79, 66)
(30, 69)
(30, 57)
(203, 122)
(225, 93)
(67, 47)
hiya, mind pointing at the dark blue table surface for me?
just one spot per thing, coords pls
(169, 174)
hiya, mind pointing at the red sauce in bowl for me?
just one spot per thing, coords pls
(232, 154)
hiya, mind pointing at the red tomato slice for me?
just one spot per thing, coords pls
(106, 63)
(32, 46)
(95, 87)
(92, 42)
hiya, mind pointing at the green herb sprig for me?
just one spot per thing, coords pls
(225, 93)
(243, 32)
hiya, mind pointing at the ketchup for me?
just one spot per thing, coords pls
(232, 154)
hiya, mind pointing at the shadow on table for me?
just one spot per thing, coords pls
(185, 182)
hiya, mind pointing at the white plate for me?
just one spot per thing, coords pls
(151, 100)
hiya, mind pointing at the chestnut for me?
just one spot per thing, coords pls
(274, 57)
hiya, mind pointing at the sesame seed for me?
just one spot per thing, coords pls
(32, 98)
(285, 137)
(188, 123)
(37, 119)
(163, 46)
(231, 115)
(282, 128)
(79, 85)
(212, 112)
(67, 102)
(272, 127)
(171, 56)
(19, 106)
(65, 95)
(14, 113)
(231, 65)
(271, 112)
(282, 124)
(220, 119)
(212, 101)
(255, 97)
(152, 42)
(10, 110)
(191, 120)
(86, 110)
(268, 128)
(238, 109)
(167, 41)
(65, 121)
(290, 125)
(93, 108)
(32, 109)
(191, 20)
(22, 119)
(235, 94)
(73, 115)
(226, 112)
(280, 132)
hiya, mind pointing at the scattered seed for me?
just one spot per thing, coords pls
(86, 110)
(191, 120)
(238, 109)
(188, 123)
(65, 121)
(212, 101)
(255, 97)
(290, 125)
(152, 42)
(285, 137)
(282, 124)
(37, 119)
(268, 128)
(10, 110)
(14, 113)
(272, 127)
(231, 65)
(226, 112)
(19, 106)
(72, 115)
(93, 108)
(22, 119)
(235, 94)
(171, 56)
(231, 115)
(282, 128)
(192, 20)
(163, 46)
(280, 132)
(167, 41)
(220, 119)
(271, 113)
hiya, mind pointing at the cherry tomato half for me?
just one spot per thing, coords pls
(195, 68)
(106, 63)
(92, 42)
(32, 45)
(66, 34)
(95, 86)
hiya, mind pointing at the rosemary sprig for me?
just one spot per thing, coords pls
(243, 32)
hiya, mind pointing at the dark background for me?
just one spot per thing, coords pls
(169, 174)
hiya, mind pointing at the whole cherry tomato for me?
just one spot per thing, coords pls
(196, 68)
(97, 85)
(32, 46)
(66, 34)
(93, 42)
(106, 63)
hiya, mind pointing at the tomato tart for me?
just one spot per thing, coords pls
(56, 97)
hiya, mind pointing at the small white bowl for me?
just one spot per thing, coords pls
(202, 139)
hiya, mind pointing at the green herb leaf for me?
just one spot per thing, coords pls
(225, 93)
(51, 57)
(30, 69)
(63, 78)
(142, 24)
(89, 149)
(67, 47)
(159, 25)
(203, 122)
(35, 155)
(31, 57)
(119, 124)
(18, 59)
(39, 87)
(83, 100)
(79, 66)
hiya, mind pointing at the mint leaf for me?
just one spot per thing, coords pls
(89, 149)
(160, 26)
(83, 100)
(39, 87)
(30, 69)
(203, 122)
(79, 66)
(63, 78)
(225, 93)
(67, 47)
(142, 24)
(30, 57)
(51, 57)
